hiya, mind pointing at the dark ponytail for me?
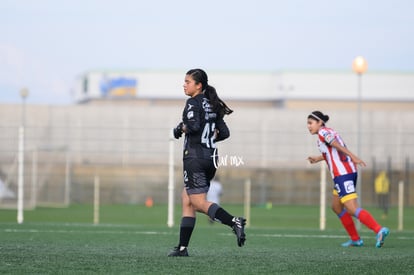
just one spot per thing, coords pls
(218, 105)
(210, 92)
(318, 115)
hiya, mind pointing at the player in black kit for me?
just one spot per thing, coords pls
(203, 126)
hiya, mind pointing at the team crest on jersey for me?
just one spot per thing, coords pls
(190, 115)
(206, 105)
(329, 137)
(209, 113)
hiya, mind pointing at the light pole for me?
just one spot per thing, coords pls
(359, 66)
(20, 188)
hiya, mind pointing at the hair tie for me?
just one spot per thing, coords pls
(318, 118)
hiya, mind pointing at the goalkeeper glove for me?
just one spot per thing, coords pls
(178, 131)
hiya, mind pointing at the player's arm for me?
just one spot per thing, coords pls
(191, 117)
(346, 151)
(315, 159)
(222, 131)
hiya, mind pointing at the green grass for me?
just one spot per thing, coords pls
(135, 240)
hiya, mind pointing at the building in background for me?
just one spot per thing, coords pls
(286, 89)
(121, 126)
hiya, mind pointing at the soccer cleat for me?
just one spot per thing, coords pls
(238, 229)
(381, 235)
(178, 253)
(357, 243)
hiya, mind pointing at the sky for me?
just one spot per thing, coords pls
(46, 44)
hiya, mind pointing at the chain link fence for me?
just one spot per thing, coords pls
(127, 148)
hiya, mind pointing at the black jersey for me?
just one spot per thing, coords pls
(204, 128)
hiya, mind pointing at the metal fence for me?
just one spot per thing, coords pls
(127, 147)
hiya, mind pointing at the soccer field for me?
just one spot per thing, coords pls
(137, 240)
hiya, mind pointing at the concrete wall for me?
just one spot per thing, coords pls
(272, 143)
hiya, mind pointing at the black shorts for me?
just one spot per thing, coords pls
(197, 175)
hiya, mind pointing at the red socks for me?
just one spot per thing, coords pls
(349, 225)
(366, 218)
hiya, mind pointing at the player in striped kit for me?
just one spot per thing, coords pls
(342, 165)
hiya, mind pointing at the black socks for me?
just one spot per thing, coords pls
(186, 229)
(188, 223)
(217, 213)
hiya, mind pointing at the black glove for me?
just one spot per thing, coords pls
(178, 131)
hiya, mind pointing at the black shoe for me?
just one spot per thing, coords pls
(178, 253)
(238, 229)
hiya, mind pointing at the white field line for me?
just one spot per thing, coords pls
(8, 230)
(297, 236)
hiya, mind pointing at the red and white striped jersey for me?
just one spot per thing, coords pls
(338, 163)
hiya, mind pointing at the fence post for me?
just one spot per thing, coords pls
(247, 200)
(400, 205)
(20, 190)
(170, 221)
(322, 211)
(96, 200)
